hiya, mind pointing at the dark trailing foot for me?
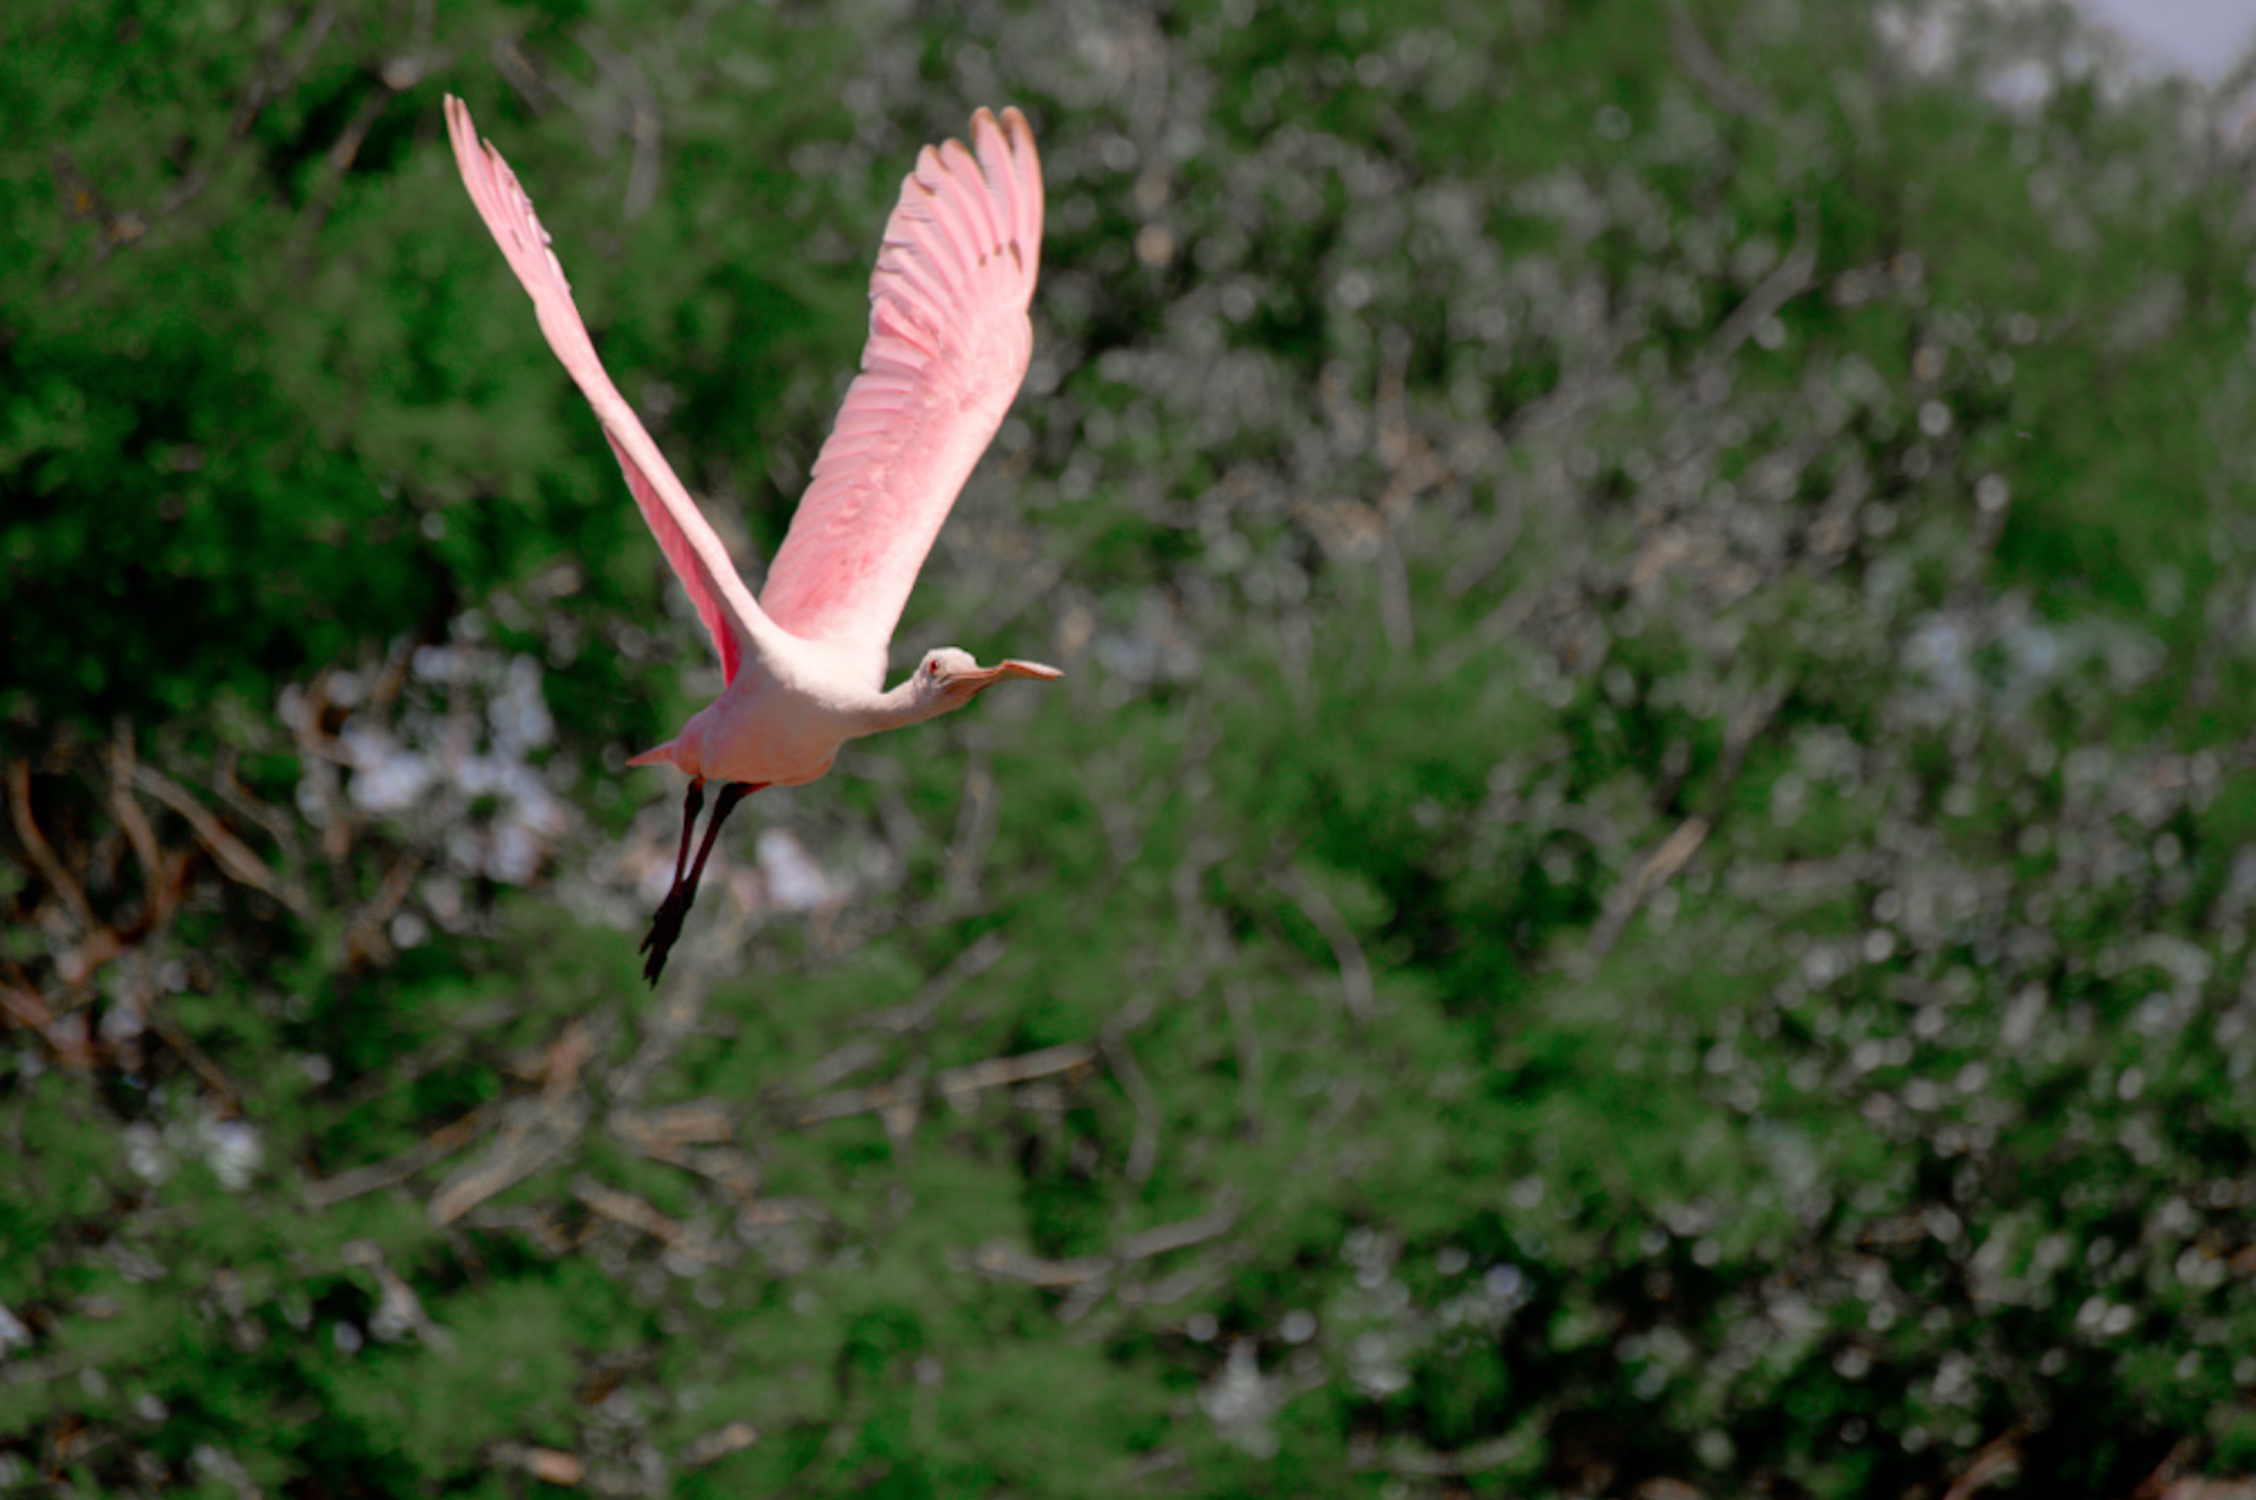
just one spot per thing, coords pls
(666, 925)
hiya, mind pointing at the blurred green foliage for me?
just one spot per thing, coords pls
(1640, 883)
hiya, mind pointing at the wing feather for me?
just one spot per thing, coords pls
(695, 551)
(948, 346)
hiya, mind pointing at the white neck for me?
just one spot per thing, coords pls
(910, 702)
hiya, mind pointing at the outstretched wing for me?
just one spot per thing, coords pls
(688, 540)
(948, 345)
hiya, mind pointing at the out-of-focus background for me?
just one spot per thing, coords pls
(2204, 38)
(1640, 884)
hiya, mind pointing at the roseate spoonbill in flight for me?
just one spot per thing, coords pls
(948, 345)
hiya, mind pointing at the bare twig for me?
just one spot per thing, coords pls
(68, 1042)
(366, 939)
(1347, 953)
(1474, 1458)
(399, 1300)
(228, 787)
(231, 853)
(328, 1192)
(1574, 396)
(1793, 276)
(849, 1102)
(1997, 1459)
(975, 829)
(1657, 870)
(733, 1437)
(1724, 89)
(642, 124)
(968, 964)
(730, 1170)
(544, 1224)
(1007, 1263)
(342, 152)
(530, 1143)
(1485, 555)
(1184, 1233)
(537, 1133)
(1248, 1037)
(995, 1072)
(662, 1033)
(1412, 469)
(1395, 615)
(280, 73)
(1486, 635)
(139, 833)
(1143, 1146)
(639, 1215)
(215, 1078)
(510, 61)
(842, 1063)
(548, 1465)
(952, 1085)
(673, 1126)
(41, 853)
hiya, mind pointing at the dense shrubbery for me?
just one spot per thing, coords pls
(1641, 879)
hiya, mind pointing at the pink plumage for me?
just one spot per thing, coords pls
(948, 345)
(689, 542)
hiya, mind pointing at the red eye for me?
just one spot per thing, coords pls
(932, 669)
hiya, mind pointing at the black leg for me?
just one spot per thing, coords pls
(731, 794)
(665, 927)
(693, 804)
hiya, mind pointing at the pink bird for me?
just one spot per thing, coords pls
(948, 345)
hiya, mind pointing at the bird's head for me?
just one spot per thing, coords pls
(948, 678)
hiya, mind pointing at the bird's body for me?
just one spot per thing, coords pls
(948, 346)
(782, 718)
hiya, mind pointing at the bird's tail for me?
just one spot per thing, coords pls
(664, 755)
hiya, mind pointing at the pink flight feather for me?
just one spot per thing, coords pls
(948, 346)
(698, 557)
